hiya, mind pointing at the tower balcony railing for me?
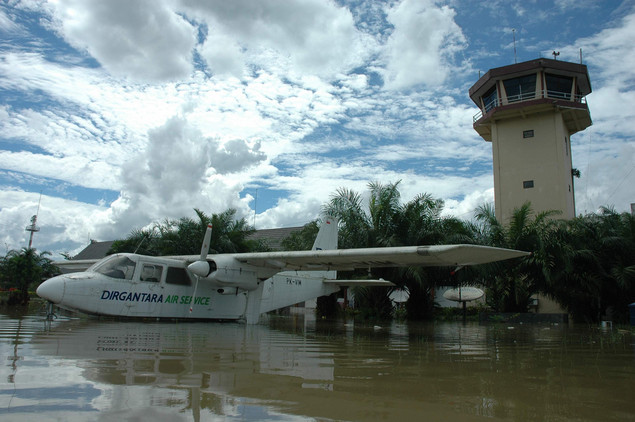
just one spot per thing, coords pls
(529, 96)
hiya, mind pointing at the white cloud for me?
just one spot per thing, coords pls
(177, 172)
(292, 37)
(289, 101)
(421, 48)
(64, 225)
(604, 153)
(139, 40)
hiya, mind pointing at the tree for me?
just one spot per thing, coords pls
(594, 266)
(185, 236)
(511, 283)
(301, 240)
(387, 222)
(21, 269)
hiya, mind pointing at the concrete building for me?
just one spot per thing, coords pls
(528, 111)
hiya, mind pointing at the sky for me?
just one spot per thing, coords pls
(119, 113)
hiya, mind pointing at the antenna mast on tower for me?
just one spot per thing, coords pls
(514, 33)
(33, 227)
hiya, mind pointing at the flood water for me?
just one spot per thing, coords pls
(295, 368)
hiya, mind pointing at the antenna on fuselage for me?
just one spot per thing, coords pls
(139, 245)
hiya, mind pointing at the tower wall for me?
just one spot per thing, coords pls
(532, 162)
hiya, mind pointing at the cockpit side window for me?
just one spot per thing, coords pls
(120, 267)
(151, 273)
(177, 276)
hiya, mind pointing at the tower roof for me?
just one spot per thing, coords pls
(556, 67)
(532, 87)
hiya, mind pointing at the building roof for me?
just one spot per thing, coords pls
(272, 237)
(95, 250)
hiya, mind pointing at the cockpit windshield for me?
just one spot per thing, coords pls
(120, 267)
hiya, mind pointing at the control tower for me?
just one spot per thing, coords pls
(528, 111)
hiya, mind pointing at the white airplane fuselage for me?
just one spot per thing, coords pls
(155, 287)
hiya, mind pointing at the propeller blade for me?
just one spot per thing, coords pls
(206, 240)
(194, 295)
(200, 268)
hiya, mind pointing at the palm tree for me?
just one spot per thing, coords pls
(595, 276)
(21, 269)
(301, 240)
(360, 229)
(184, 236)
(510, 284)
(388, 222)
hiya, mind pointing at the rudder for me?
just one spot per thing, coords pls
(326, 238)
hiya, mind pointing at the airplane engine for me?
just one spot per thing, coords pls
(229, 273)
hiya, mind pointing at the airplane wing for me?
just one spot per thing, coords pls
(350, 259)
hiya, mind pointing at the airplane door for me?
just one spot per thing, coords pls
(148, 290)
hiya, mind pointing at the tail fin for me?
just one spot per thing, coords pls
(326, 238)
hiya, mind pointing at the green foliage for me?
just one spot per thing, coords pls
(586, 264)
(301, 240)
(185, 235)
(386, 221)
(593, 266)
(373, 302)
(511, 283)
(19, 270)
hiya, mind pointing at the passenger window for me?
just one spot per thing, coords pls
(177, 276)
(151, 273)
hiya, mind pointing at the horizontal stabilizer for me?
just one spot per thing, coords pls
(380, 282)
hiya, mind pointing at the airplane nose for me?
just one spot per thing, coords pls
(52, 289)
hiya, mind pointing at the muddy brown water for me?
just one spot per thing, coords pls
(297, 368)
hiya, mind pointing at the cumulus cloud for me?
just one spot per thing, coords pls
(421, 48)
(173, 174)
(140, 40)
(296, 37)
(295, 98)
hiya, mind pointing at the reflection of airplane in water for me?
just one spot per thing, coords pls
(156, 371)
(237, 286)
(182, 366)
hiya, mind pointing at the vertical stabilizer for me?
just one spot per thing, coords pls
(290, 287)
(326, 238)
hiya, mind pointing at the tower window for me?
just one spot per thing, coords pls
(528, 133)
(559, 86)
(520, 89)
(528, 184)
(490, 99)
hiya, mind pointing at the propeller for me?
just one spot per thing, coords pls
(200, 268)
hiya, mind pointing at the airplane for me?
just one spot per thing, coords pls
(236, 286)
